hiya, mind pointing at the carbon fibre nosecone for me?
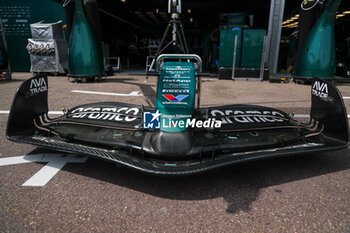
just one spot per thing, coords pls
(115, 132)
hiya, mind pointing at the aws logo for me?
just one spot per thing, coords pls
(178, 98)
(320, 89)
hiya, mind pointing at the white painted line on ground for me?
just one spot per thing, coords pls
(60, 112)
(346, 97)
(301, 116)
(307, 116)
(133, 93)
(55, 163)
(45, 174)
(55, 112)
(21, 159)
(50, 113)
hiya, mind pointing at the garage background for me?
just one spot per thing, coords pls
(128, 26)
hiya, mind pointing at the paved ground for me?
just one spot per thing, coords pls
(302, 194)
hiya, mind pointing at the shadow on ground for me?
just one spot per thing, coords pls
(11, 81)
(239, 184)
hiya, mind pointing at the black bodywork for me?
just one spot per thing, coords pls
(115, 132)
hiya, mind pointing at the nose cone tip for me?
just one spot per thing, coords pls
(172, 144)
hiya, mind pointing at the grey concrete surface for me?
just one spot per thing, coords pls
(297, 194)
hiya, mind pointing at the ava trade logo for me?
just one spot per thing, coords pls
(178, 98)
(320, 89)
(37, 86)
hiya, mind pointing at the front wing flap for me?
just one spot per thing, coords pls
(114, 132)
